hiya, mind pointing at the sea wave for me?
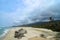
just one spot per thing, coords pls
(4, 33)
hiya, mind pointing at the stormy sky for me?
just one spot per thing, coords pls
(18, 12)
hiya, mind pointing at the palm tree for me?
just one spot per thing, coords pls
(51, 19)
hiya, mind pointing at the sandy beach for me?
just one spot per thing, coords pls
(32, 34)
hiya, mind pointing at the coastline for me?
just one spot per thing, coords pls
(31, 31)
(4, 34)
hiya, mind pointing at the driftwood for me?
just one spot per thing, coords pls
(20, 33)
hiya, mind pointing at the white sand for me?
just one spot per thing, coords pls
(31, 32)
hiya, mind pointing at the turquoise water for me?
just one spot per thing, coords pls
(3, 31)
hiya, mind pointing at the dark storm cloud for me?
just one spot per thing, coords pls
(16, 12)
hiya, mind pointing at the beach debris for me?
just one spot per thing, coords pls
(20, 33)
(42, 35)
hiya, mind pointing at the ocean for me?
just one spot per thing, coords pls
(3, 31)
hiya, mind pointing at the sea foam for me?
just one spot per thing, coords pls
(4, 33)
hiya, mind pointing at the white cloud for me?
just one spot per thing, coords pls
(32, 8)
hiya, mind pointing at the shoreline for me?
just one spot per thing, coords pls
(4, 34)
(31, 31)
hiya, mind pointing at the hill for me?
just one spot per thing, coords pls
(53, 25)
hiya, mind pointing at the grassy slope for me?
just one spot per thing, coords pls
(54, 25)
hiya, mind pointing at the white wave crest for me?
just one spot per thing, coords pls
(4, 33)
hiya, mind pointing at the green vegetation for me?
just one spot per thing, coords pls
(53, 25)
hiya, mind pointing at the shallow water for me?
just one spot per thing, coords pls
(3, 31)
